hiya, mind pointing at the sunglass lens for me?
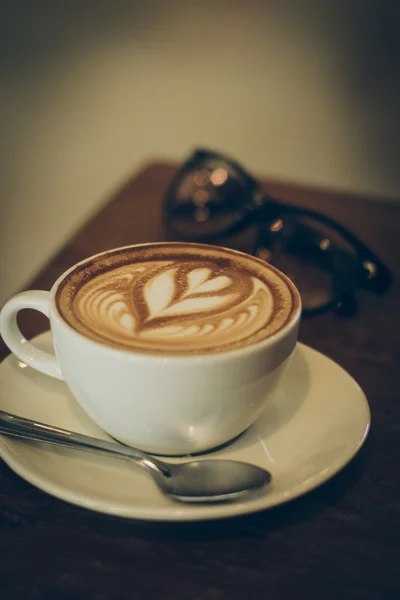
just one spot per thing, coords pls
(206, 200)
(318, 260)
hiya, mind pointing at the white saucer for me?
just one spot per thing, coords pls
(317, 423)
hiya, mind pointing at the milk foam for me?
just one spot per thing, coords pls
(174, 301)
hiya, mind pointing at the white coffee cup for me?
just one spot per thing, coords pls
(158, 403)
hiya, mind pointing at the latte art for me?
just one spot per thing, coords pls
(175, 301)
(168, 304)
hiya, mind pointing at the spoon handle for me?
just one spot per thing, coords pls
(21, 427)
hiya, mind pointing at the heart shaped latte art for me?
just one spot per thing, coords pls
(186, 306)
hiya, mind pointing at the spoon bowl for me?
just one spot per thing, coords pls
(213, 480)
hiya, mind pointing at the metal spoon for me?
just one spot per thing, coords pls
(207, 480)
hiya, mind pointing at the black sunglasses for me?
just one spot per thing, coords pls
(212, 196)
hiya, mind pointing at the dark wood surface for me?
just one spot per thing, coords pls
(342, 540)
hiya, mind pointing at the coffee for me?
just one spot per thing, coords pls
(176, 298)
(169, 348)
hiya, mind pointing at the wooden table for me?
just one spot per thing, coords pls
(340, 541)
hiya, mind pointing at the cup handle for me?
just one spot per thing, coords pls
(45, 362)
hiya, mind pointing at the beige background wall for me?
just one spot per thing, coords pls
(301, 90)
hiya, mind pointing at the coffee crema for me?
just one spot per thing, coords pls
(176, 298)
